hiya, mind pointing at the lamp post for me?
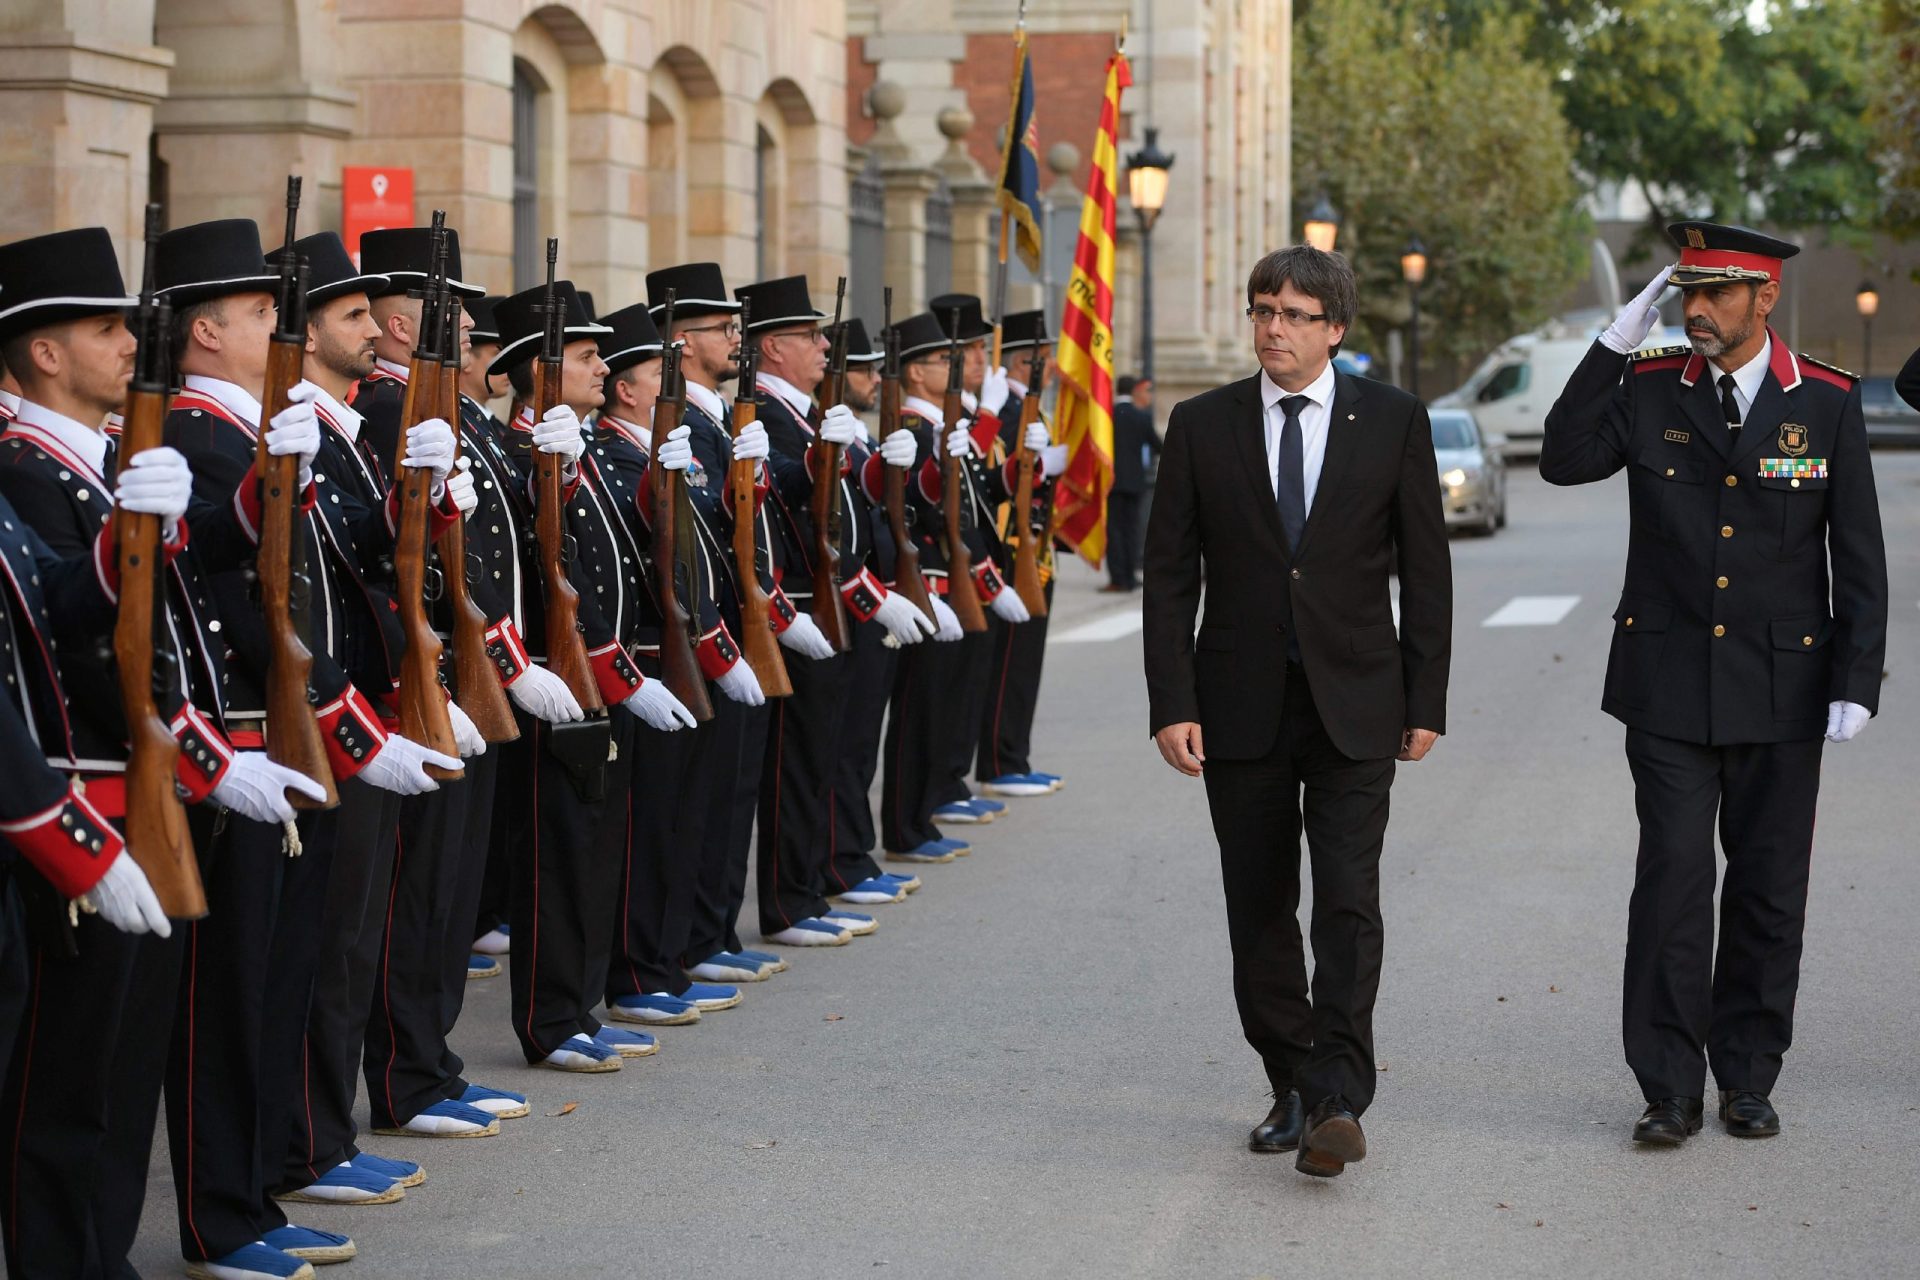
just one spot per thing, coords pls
(1147, 188)
(1413, 269)
(1323, 225)
(1867, 299)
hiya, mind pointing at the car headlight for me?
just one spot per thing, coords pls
(1454, 478)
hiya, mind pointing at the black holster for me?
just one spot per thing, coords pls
(581, 748)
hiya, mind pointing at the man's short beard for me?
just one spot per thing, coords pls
(353, 363)
(1716, 346)
(857, 402)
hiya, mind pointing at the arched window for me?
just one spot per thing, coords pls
(529, 256)
(764, 217)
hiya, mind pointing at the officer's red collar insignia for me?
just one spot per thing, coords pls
(1782, 364)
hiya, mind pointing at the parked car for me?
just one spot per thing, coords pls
(1890, 420)
(1473, 472)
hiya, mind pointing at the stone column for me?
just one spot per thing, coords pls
(908, 185)
(974, 251)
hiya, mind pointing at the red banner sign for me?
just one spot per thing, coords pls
(371, 199)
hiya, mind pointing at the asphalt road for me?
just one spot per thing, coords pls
(1034, 1067)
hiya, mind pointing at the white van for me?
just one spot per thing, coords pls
(1511, 391)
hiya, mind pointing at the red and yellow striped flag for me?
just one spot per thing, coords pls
(1084, 415)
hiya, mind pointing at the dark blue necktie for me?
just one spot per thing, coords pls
(1291, 489)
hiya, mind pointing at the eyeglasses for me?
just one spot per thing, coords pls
(1291, 317)
(731, 328)
(809, 335)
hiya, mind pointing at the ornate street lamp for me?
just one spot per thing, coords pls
(1147, 188)
(1323, 225)
(1867, 299)
(1413, 269)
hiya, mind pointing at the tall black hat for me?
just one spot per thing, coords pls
(1715, 253)
(973, 325)
(211, 260)
(330, 272)
(1023, 329)
(586, 303)
(486, 329)
(634, 338)
(522, 324)
(779, 303)
(920, 334)
(64, 276)
(405, 256)
(860, 348)
(699, 290)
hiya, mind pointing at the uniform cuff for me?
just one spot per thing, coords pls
(70, 843)
(985, 430)
(988, 580)
(507, 651)
(614, 672)
(780, 611)
(716, 653)
(205, 754)
(863, 594)
(351, 728)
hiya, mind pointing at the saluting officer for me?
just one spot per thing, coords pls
(1735, 650)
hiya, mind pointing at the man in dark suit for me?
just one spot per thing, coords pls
(1133, 438)
(1753, 621)
(1289, 494)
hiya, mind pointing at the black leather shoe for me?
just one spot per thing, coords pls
(1280, 1131)
(1330, 1139)
(1669, 1122)
(1748, 1114)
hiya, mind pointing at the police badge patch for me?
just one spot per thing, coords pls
(1793, 439)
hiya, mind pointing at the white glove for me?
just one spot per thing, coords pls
(460, 485)
(1631, 327)
(804, 637)
(655, 703)
(1845, 719)
(840, 426)
(1038, 439)
(400, 766)
(676, 451)
(155, 482)
(993, 391)
(430, 444)
(295, 430)
(1009, 606)
(559, 432)
(948, 629)
(906, 624)
(255, 787)
(899, 449)
(959, 443)
(1053, 460)
(545, 696)
(738, 683)
(465, 732)
(125, 900)
(751, 443)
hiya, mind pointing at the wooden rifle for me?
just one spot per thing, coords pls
(829, 610)
(157, 836)
(292, 734)
(907, 579)
(671, 543)
(477, 688)
(566, 652)
(761, 648)
(1026, 553)
(423, 704)
(962, 595)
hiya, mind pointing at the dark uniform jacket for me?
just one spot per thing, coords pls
(1730, 627)
(1133, 438)
(708, 485)
(792, 439)
(984, 487)
(1040, 517)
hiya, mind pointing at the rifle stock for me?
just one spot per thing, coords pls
(907, 578)
(829, 610)
(761, 648)
(1026, 555)
(962, 595)
(672, 514)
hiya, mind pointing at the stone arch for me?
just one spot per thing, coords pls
(809, 232)
(698, 211)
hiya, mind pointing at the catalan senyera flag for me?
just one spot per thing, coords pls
(1020, 162)
(1084, 416)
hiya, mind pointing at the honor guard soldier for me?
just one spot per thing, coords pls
(1002, 763)
(1751, 626)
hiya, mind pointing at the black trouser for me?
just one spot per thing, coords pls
(796, 796)
(467, 885)
(664, 816)
(564, 882)
(361, 831)
(83, 1090)
(13, 964)
(215, 1067)
(496, 885)
(733, 794)
(914, 755)
(1323, 1045)
(1680, 996)
(850, 819)
(1013, 691)
(1123, 538)
(962, 708)
(406, 1040)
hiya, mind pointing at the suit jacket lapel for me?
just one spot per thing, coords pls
(1250, 433)
(1701, 404)
(1770, 409)
(1343, 439)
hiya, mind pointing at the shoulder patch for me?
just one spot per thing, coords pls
(1660, 353)
(1842, 378)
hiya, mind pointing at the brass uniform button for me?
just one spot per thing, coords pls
(1726, 531)
(1719, 631)
(1669, 473)
(1720, 583)
(1732, 481)
(1629, 621)
(1807, 641)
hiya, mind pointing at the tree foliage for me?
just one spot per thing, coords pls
(1895, 113)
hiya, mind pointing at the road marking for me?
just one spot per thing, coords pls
(1112, 627)
(1532, 611)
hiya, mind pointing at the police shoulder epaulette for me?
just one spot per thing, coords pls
(1660, 353)
(1843, 378)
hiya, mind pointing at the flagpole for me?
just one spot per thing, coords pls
(1000, 268)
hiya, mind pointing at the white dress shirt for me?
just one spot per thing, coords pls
(235, 399)
(793, 397)
(88, 444)
(1314, 419)
(1747, 378)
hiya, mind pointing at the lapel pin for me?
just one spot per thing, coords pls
(1349, 417)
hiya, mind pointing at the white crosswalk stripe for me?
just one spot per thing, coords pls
(1532, 611)
(1112, 627)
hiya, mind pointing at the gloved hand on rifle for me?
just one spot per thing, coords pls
(544, 696)
(993, 390)
(804, 637)
(255, 787)
(295, 430)
(948, 629)
(1037, 437)
(125, 900)
(959, 443)
(739, 683)
(906, 624)
(839, 425)
(676, 451)
(559, 432)
(400, 766)
(900, 449)
(655, 703)
(751, 443)
(1008, 606)
(465, 732)
(430, 444)
(460, 488)
(155, 482)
